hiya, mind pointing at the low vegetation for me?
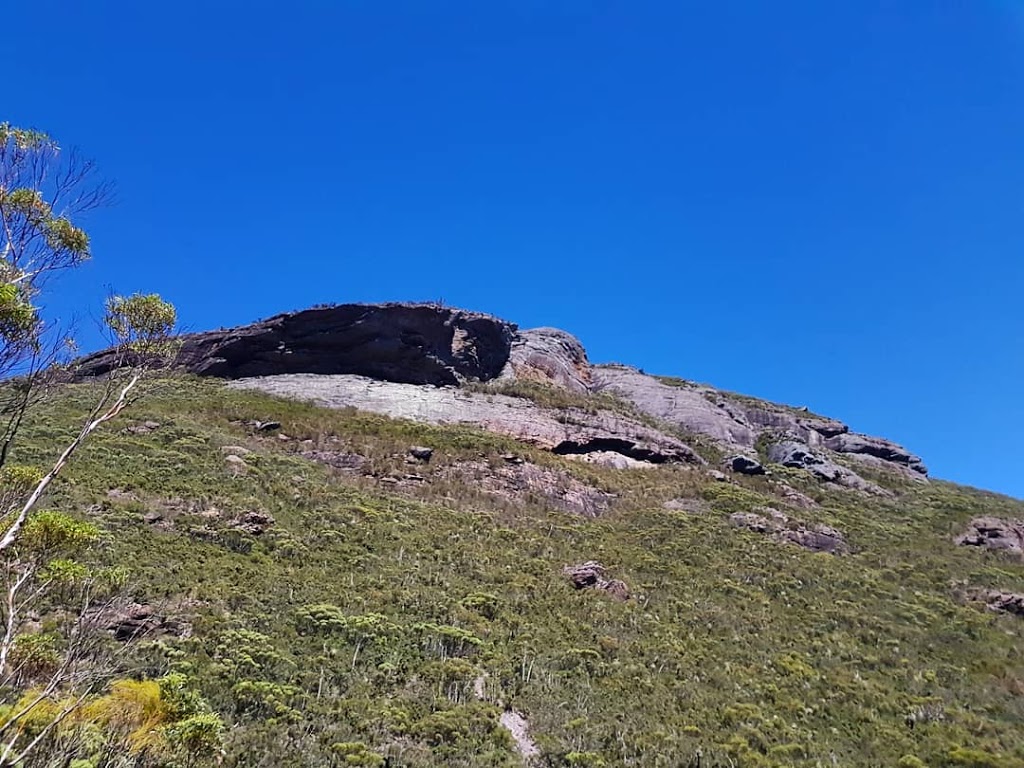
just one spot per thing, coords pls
(362, 626)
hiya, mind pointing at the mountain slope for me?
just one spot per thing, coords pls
(347, 597)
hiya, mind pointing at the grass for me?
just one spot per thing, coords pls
(354, 629)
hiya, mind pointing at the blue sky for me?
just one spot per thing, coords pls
(818, 203)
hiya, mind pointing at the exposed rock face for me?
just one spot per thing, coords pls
(736, 423)
(132, 621)
(413, 343)
(610, 459)
(569, 431)
(878, 447)
(994, 533)
(817, 538)
(427, 344)
(790, 453)
(999, 601)
(549, 356)
(591, 575)
(681, 407)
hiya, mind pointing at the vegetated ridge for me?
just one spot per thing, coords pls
(412, 535)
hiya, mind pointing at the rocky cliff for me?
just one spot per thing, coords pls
(427, 362)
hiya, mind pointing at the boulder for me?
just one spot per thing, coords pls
(132, 621)
(588, 574)
(790, 453)
(549, 356)
(744, 465)
(591, 575)
(994, 533)
(411, 343)
(999, 601)
(421, 453)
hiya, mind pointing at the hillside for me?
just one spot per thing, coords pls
(408, 535)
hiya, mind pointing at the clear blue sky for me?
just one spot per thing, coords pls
(819, 203)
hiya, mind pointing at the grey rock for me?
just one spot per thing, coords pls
(878, 447)
(610, 459)
(565, 431)
(683, 407)
(794, 498)
(994, 533)
(744, 465)
(584, 575)
(549, 356)
(790, 453)
(427, 344)
(412, 343)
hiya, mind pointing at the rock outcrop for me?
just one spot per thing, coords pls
(567, 431)
(591, 575)
(999, 601)
(994, 533)
(549, 356)
(410, 343)
(815, 537)
(790, 453)
(744, 465)
(877, 447)
(681, 407)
